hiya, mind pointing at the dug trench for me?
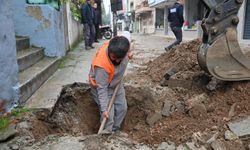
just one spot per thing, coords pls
(175, 109)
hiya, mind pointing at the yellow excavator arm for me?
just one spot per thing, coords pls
(220, 53)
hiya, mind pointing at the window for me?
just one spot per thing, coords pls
(246, 34)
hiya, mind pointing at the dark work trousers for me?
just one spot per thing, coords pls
(96, 31)
(89, 34)
(178, 35)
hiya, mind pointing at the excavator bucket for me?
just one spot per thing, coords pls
(224, 59)
(220, 53)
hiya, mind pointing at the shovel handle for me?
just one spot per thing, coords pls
(109, 106)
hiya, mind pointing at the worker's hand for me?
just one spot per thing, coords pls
(105, 114)
(130, 54)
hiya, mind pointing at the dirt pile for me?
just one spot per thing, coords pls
(182, 58)
(205, 111)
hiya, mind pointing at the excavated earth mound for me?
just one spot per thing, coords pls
(204, 110)
(193, 108)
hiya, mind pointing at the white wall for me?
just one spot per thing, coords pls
(240, 27)
(75, 29)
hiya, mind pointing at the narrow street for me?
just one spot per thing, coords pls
(185, 86)
(174, 114)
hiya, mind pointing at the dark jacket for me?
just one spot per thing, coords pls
(96, 17)
(87, 14)
(175, 15)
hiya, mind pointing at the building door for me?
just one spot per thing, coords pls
(246, 34)
(159, 23)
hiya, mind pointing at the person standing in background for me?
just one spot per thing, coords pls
(176, 19)
(96, 22)
(88, 22)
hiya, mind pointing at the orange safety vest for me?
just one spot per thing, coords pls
(101, 60)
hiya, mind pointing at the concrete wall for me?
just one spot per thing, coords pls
(8, 62)
(240, 28)
(42, 23)
(75, 29)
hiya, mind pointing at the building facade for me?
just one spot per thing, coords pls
(161, 24)
(193, 14)
(244, 24)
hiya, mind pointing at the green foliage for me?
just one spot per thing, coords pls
(14, 114)
(19, 111)
(75, 7)
(4, 122)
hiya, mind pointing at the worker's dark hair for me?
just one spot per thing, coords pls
(119, 46)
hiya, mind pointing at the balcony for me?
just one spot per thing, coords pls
(143, 7)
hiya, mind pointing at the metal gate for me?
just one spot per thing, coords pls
(246, 34)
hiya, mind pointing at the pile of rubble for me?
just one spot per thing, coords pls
(190, 106)
(171, 106)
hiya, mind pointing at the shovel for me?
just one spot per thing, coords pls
(109, 106)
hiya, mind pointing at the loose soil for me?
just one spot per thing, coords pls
(76, 113)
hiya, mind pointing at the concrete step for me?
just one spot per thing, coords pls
(33, 77)
(28, 57)
(22, 43)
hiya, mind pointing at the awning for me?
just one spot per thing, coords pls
(143, 10)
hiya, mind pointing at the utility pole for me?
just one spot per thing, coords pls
(114, 11)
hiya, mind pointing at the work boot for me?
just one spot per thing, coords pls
(87, 48)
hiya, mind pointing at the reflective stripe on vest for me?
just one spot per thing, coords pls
(101, 60)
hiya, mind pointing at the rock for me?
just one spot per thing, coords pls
(14, 147)
(4, 147)
(199, 99)
(137, 146)
(170, 72)
(198, 137)
(67, 143)
(166, 110)
(218, 145)
(173, 83)
(196, 107)
(193, 146)
(198, 111)
(230, 136)
(214, 84)
(213, 138)
(181, 147)
(123, 134)
(23, 125)
(166, 146)
(81, 139)
(180, 106)
(240, 128)
(152, 119)
(214, 128)
(7, 133)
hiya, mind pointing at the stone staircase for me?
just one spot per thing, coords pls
(34, 67)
